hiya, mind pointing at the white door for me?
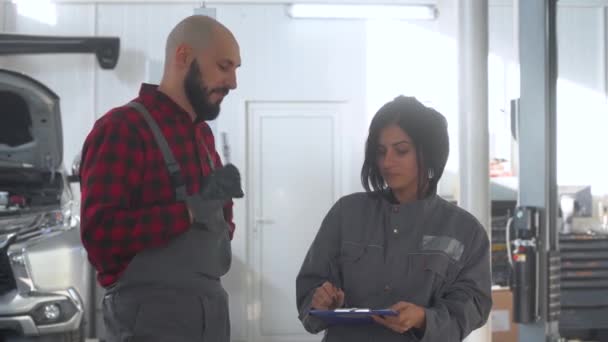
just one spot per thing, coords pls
(294, 169)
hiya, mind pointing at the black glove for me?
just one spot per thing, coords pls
(207, 212)
(223, 184)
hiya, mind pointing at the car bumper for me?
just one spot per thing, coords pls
(22, 314)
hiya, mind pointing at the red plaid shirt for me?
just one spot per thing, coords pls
(128, 200)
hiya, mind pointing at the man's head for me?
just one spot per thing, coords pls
(201, 59)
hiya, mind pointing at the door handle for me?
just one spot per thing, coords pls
(264, 220)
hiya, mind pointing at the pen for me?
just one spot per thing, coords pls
(335, 278)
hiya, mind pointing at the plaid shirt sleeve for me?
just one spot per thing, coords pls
(113, 229)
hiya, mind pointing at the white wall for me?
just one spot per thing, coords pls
(582, 105)
(363, 64)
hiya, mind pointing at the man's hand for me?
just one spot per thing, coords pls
(327, 297)
(410, 316)
(222, 184)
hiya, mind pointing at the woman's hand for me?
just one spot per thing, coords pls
(327, 297)
(410, 316)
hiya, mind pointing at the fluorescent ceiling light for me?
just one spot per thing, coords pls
(43, 11)
(399, 12)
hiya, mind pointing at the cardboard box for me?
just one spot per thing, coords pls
(503, 328)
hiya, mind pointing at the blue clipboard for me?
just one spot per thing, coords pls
(352, 316)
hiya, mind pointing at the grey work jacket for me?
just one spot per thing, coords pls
(429, 252)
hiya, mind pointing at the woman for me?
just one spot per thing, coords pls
(399, 245)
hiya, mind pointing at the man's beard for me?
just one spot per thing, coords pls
(198, 95)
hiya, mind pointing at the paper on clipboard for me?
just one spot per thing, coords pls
(351, 315)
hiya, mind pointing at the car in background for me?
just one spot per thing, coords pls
(45, 278)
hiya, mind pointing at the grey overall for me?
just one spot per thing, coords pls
(428, 252)
(174, 293)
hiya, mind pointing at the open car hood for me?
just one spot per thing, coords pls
(30, 118)
(30, 122)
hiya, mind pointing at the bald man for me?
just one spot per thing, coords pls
(156, 201)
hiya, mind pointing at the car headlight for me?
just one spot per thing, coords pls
(53, 312)
(52, 219)
(58, 219)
